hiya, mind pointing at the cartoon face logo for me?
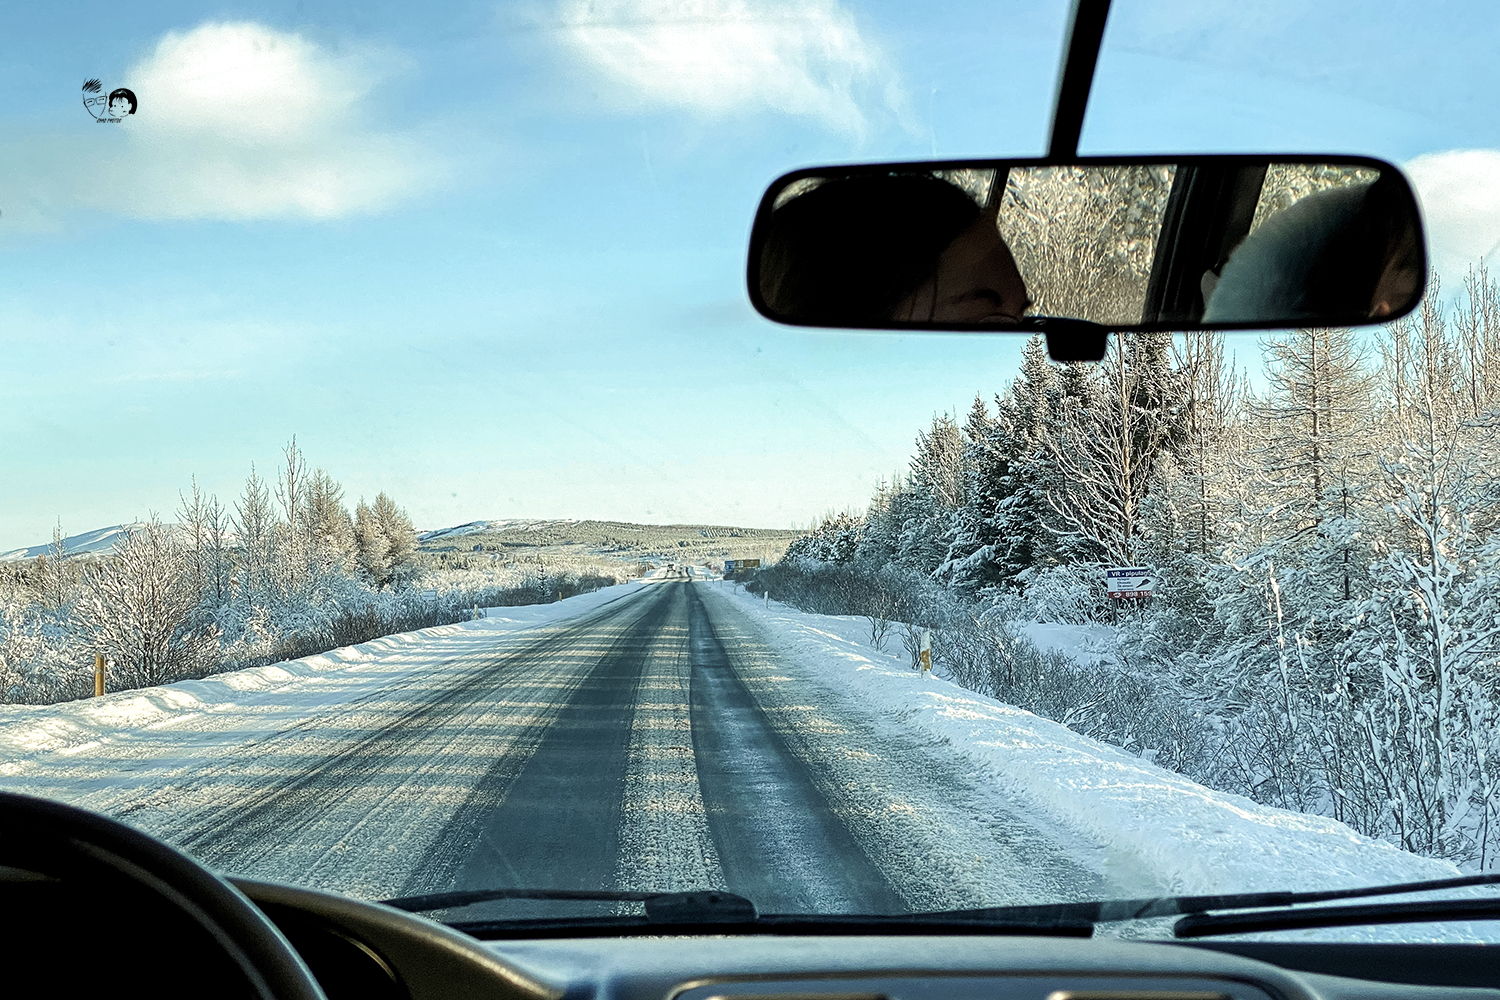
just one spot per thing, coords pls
(113, 108)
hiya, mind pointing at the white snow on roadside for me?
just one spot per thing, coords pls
(1194, 839)
(275, 695)
(1081, 642)
(1139, 817)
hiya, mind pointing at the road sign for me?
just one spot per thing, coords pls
(732, 566)
(1129, 581)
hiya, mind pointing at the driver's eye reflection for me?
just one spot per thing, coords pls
(975, 281)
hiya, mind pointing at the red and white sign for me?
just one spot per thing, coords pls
(1129, 581)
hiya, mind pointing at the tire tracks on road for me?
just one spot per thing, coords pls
(378, 778)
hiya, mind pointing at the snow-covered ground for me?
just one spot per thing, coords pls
(67, 748)
(960, 799)
(1144, 819)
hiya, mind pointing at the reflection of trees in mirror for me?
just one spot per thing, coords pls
(795, 189)
(1084, 237)
(974, 182)
(1288, 183)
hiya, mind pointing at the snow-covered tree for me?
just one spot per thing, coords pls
(1109, 454)
(138, 607)
(385, 539)
(256, 524)
(1210, 465)
(327, 529)
(1316, 417)
(835, 540)
(205, 528)
(1477, 319)
(54, 582)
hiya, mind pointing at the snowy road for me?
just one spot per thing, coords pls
(651, 743)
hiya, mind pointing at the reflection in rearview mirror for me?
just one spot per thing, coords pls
(1188, 243)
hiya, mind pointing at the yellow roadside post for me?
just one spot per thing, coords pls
(98, 675)
(924, 650)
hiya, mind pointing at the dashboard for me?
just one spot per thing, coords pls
(373, 953)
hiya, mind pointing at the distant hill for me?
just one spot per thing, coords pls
(506, 524)
(98, 540)
(517, 538)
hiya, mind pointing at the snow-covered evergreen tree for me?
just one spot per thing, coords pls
(327, 529)
(384, 539)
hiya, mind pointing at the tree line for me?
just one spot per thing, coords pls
(284, 570)
(1325, 634)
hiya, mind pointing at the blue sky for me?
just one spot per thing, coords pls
(489, 258)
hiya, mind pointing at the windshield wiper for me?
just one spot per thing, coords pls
(661, 907)
(719, 912)
(1423, 911)
(467, 897)
(725, 912)
(1198, 923)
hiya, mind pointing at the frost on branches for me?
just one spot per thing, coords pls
(281, 572)
(1326, 630)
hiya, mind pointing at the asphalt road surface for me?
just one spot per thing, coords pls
(653, 744)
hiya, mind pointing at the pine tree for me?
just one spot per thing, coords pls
(53, 579)
(371, 547)
(327, 528)
(291, 492)
(385, 539)
(192, 521)
(969, 562)
(219, 561)
(935, 493)
(1029, 416)
(882, 532)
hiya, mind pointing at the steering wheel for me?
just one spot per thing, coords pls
(64, 842)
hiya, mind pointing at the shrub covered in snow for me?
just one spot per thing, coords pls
(287, 574)
(1325, 634)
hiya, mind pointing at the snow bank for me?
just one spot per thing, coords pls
(1192, 839)
(73, 728)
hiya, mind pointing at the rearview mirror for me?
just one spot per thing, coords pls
(1082, 248)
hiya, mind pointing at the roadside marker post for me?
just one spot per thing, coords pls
(98, 675)
(924, 650)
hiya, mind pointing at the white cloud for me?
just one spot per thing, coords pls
(1460, 192)
(722, 57)
(236, 121)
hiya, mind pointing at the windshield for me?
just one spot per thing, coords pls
(401, 496)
